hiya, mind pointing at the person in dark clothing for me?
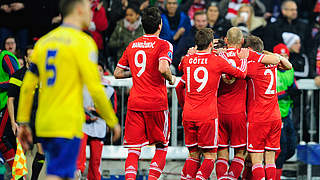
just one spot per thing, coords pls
(187, 40)
(288, 22)
(216, 22)
(13, 15)
(301, 63)
(174, 23)
(12, 104)
(43, 16)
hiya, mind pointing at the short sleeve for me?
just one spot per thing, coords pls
(255, 56)
(166, 51)
(123, 62)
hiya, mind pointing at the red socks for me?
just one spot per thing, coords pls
(205, 169)
(236, 167)
(221, 167)
(258, 172)
(190, 168)
(271, 172)
(158, 162)
(131, 165)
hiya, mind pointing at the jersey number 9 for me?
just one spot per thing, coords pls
(50, 67)
(141, 65)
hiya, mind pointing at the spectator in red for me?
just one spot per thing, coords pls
(98, 24)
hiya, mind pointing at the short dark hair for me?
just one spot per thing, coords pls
(151, 19)
(134, 7)
(197, 13)
(66, 6)
(203, 38)
(254, 42)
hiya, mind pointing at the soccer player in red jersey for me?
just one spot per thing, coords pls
(264, 119)
(147, 121)
(232, 119)
(202, 72)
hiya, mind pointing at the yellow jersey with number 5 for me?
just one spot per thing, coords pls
(63, 61)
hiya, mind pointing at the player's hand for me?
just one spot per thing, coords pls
(173, 80)
(192, 50)
(25, 136)
(244, 53)
(116, 133)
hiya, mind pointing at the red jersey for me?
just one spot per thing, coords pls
(202, 72)
(142, 56)
(232, 92)
(262, 105)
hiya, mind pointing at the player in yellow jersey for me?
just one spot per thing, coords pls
(61, 63)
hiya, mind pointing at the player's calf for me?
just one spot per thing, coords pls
(222, 162)
(258, 171)
(270, 166)
(158, 162)
(131, 166)
(192, 164)
(207, 165)
(237, 163)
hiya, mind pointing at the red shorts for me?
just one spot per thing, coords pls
(146, 128)
(232, 130)
(264, 136)
(201, 134)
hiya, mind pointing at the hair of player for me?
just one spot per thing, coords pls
(197, 13)
(203, 38)
(284, 3)
(234, 36)
(151, 19)
(66, 6)
(254, 42)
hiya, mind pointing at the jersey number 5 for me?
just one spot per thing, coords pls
(141, 65)
(203, 80)
(50, 67)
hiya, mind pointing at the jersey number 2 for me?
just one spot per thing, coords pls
(203, 80)
(50, 67)
(269, 90)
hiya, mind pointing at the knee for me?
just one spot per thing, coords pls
(194, 152)
(209, 153)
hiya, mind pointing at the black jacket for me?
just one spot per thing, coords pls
(273, 32)
(186, 41)
(221, 27)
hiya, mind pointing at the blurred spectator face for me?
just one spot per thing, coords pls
(200, 21)
(245, 13)
(172, 6)
(131, 15)
(290, 10)
(213, 13)
(197, 1)
(10, 45)
(295, 47)
(101, 71)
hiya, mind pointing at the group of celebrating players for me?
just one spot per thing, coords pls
(228, 97)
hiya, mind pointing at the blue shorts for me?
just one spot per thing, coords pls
(61, 155)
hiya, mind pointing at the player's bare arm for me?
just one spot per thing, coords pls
(121, 73)
(165, 71)
(284, 63)
(270, 58)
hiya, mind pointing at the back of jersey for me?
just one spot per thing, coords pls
(232, 90)
(59, 56)
(202, 80)
(262, 94)
(142, 56)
